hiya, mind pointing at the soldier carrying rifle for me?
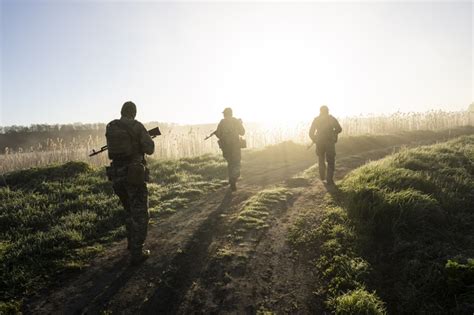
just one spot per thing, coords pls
(127, 142)
(229, 132)
(324, 132)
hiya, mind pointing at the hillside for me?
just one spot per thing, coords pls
(397, 232)
(62, 245)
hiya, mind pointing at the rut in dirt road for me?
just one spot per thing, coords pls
(186, 265)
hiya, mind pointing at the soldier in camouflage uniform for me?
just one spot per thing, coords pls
(324, 131)
(129, 174)
(228, 132)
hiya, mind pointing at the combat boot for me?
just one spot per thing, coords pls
(138, 258)
(330, 175)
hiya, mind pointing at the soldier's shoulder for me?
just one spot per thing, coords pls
(138, 126)
(137, 123)
(112, 122)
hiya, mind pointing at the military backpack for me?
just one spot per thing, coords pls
(120, 140)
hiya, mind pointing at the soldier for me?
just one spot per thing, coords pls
(228, 132)
(128, 141)
(324, 131)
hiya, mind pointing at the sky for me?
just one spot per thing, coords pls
(183, 62)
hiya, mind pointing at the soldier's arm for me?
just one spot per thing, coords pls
(312, 131)
(146, 142)
(337, 126)
(241, 128)
(218, 131)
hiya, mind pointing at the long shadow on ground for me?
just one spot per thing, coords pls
(185, 266)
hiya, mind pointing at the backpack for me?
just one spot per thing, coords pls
(120, 140)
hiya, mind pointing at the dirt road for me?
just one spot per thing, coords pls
(196, 266)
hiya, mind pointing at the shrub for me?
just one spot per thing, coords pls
(358, 302)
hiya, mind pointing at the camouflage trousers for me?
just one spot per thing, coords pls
(134, 199)
(326, 151)
(233, 157)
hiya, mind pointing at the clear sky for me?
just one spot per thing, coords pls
(70, 61)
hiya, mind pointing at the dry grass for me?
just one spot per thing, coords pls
(188, 141)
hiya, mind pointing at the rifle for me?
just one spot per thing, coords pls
(209, 136)
(152, 132)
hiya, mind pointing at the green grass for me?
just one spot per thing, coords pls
(413, 212)
(253, 215)
(327, 239)
(58, 218)
(401, 226)
(358, 301)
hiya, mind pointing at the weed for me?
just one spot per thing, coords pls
(358, 301)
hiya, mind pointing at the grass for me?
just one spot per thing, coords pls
(358, 301)
(415, 208)
(254, 213)
(56, 219)
(327, 239)
(401, 226)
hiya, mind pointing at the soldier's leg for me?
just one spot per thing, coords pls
(138, 195)
(227, 156)
(320, 151)
(121, 191)
(236, 158)
(331, 158)
(234, 174)
(230, 170)
(234, 171)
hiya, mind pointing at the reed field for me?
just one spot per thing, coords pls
(41, 145)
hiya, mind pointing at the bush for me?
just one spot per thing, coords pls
(358, 302)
